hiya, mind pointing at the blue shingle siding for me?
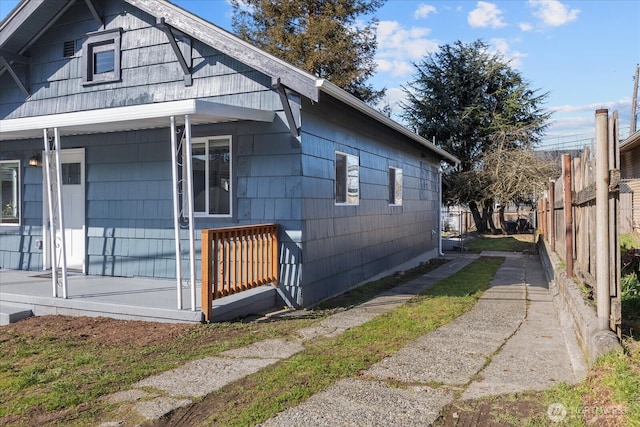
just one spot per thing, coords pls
(325, 249)
(344, 245)
(149, 70)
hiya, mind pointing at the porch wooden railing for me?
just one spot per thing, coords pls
(235, 259)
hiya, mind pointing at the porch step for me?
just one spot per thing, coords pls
(10, 314)
(249, 302)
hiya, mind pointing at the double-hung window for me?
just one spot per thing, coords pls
(347, 179)
(395, 186)
(212, 172)
(9, 192)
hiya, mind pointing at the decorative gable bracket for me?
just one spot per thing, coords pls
(5, 57)
(294, 127)
(183, 55)
(94, 12)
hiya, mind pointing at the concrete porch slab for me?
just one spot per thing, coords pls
(123, 298)
(11, 314)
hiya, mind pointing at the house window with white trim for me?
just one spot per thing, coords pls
(212, 172)
(395, 186)
(10, 192)
(347, 179)
(101, 57)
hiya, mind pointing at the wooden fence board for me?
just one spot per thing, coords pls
(583, 204)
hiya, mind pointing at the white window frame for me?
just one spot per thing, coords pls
(395, 186)
(348, 179)
(99, 42)
(17, 193)
(228, 184)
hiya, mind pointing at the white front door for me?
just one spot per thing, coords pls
(73, 208)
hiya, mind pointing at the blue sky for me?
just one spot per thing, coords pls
(583, 53)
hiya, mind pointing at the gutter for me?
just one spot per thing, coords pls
(631, 142)
(342, 95)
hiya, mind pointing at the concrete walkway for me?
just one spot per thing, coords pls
(510, 341)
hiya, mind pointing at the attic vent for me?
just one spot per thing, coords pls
(69, 49)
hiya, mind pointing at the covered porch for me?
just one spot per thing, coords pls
(29, 293)
(58, 289)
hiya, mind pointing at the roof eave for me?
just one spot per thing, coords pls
(133, 117)
(344, 96)
(203, 30)
(631, 142)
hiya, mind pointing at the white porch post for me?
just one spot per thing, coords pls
(50, 206)
(63, 249)
(176, 209)
(53, 181)
(189, 196)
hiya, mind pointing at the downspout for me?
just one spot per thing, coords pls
(440, 252)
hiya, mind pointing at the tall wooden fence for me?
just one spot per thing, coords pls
(578, 217)
(235, 259)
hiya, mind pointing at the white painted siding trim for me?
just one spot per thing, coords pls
(145, 116)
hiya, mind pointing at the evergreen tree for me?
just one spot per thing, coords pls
(473, 103)
(322, 37)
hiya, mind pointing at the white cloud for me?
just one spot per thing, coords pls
(502, 47)
(395, 68)
(398, 47)
(574, 125)
(486, 15)
(553, 13)
(424, 10)
(525, 26)
(611, 105)
(394, 97)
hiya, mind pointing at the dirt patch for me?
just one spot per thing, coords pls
(101, 331)
(598, 407)
(500, 411)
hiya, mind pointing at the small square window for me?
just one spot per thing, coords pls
(101, 57)
(103, 62)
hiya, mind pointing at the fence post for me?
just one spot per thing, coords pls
(552, 215)
(545, 207)
(602, 218)
(206, 293)
(568, 213)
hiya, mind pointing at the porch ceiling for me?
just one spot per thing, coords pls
(133, 117)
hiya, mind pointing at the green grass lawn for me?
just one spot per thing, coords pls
(512, 243)
(325, 361)
(54, 369)
(56, 377)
